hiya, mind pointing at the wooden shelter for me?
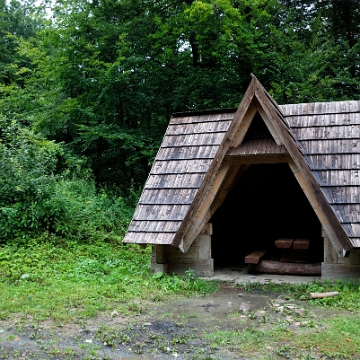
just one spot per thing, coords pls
(265, 184)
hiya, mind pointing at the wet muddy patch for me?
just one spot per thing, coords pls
(230, 324)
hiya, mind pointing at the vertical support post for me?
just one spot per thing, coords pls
(161, 254)
(159, 259)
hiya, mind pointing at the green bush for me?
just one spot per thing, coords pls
(44, 189)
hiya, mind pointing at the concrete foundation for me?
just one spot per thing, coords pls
(337, 267)
(198, 258)
(167, 259)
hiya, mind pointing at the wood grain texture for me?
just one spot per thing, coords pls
(329, 139)
(188, 149)
(303, 172)
(175, 181)
(154, 226)
(167, 196)
(257, 147)
(337, 119)
(188, 181)
(187, 152)
(338, 177)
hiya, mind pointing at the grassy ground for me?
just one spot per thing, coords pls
(46, 280)
(105, 291)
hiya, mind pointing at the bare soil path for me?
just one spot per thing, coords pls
(184, 328)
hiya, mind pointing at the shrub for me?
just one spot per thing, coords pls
(44, 189)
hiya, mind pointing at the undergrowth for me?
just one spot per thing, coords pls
(63, 280)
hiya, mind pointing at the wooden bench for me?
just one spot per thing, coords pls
(293, 250)
(255, 257)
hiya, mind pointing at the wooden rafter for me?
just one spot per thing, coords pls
(212, 192)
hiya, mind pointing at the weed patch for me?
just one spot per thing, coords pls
(70, 280)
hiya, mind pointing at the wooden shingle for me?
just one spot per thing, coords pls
(187, 150)
(329, 138)
(320, 141)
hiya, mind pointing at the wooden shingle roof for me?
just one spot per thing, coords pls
(322, 141)
(329, 138)
(187, 150)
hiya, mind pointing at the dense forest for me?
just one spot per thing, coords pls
(87, 88)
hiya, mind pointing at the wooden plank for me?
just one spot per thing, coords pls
(202, 215)
(328, 220)
(192, 225)
(304, 109)
(257, 147)
(201, 267)
(327, 132)
(148, 238)
(181, 166)
(193, 139)
(198, 127)
(284, 243)
(282, 268)
(260, 159)
(163, 181)
(207, 229)
(340, 271)
(338, 162)
(201, 118)
(338, 177)
(330, 255)
(154, 226)
(342, 194)
(187, 152)
(161, 254)
(305, 178)
(324, 146)
(255, 257)
(167, 196)
(323, 120)
(161, 212)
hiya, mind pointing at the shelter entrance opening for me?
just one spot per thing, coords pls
(265, 205)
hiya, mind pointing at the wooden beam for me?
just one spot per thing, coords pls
(314, 199)
(201, 216)
(260, 158)
(282, 268)
(270, 126)
(304, 175)
(233, 175)
(189, 229)
(161, 254)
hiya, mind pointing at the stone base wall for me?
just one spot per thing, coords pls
(198, 258)
(338, 267)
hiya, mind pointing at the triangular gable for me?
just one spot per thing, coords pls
(194, 170)
(221, 172)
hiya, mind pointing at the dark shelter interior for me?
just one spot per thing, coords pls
(266, 204)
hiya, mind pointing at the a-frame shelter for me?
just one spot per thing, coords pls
(260, 173)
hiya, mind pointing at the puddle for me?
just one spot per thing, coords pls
(221, 307)
(176, 330)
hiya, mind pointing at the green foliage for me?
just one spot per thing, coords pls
(94, 87)
(59, 275)
(348, 298)
(44, 189)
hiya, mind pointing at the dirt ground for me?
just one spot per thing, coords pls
(175, 330)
